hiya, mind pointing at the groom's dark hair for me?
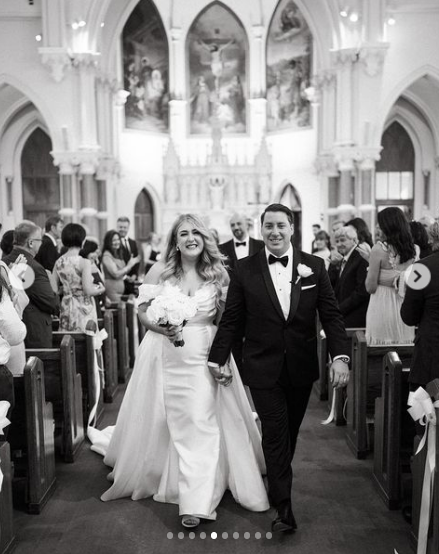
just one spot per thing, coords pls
(278, 208)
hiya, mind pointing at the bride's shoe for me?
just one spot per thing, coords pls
(190, 521)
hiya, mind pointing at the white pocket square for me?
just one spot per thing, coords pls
(308, 287)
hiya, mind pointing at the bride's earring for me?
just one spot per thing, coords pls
(176, 248)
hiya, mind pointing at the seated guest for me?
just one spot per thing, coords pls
(12, 329)
(322, 248)
(151, 252)
(48, 252)
(7, 243)
(129, 249)
(90, 251)
(242, 245)
(315, 229)
(43, 302)
(365, 241)
(349, 279)
(74, 273)
(421, 308)
(421, 238)
(114, 266)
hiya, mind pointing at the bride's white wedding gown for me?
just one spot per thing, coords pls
(180, 436)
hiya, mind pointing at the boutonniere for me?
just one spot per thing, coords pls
(304, 271)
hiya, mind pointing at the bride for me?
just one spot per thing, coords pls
(180, 437)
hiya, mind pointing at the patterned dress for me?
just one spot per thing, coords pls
(77, 308)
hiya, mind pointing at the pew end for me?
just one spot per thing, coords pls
(7, 537)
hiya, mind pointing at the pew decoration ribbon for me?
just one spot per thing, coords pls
(422, 409)
(331, 416)
(4, 422)
(98, 339)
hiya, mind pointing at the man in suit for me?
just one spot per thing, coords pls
(272, 302)
(421, 308)
(43, 302)
(129, 250)
(315, 229)
(48, 252)
(348, 279)
(241, 245)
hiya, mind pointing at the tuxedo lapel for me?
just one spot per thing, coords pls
(269, 283)
(295, 285)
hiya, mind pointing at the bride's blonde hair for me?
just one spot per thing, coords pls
(210, 265)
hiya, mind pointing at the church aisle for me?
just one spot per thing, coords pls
(336, 507)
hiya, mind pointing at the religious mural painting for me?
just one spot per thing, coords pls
(217, 47)
(289, 57)
(146, 69)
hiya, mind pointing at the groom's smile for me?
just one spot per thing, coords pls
(277, 232)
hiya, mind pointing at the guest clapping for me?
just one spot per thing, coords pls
(113, 264)
(74, 273)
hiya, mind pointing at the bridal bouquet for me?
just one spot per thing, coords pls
(172, 307)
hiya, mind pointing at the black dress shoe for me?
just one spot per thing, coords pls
(284, 521)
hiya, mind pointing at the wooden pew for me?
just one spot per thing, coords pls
(84, 365)
(364, 386)
(418, 467)
(121, 335)
(7, 538)
(394, 431)
(64, 391)
(31, 437)
(133, 332)
(110, 358)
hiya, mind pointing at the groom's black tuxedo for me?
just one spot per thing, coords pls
(279, 355)
(253, 311)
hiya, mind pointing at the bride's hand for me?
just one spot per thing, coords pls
(221, 374)
(172, 332)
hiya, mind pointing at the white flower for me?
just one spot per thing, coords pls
(304, 271)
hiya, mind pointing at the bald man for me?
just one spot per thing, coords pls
(241, 245)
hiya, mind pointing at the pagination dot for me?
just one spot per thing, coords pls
(258, 535)
(192, 535)
(268, 535)
(202, 535)
(225, 535)
(170, 535)
(213, 535)
(181, 535)
(236, 535)
(246, 535)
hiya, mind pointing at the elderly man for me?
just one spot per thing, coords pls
(43, 302)
(242, 245)
(348, 279)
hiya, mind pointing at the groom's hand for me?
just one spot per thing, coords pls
(339, 373)
(221, 374)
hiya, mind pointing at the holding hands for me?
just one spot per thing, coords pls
(221, 374)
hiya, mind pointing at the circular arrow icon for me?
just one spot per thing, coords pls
(419, 277)
(21, 276)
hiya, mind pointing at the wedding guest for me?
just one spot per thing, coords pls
(273, 300)
(91, 252)
(389, 258)
(322, 247)
(203, 440)
(421, 308)
(43, 302)
(348, 281)
(49, 252)
(215, 235)
(242, 245)
(365, 241)
(421, 238)
(152, 251)
(129, 249)
(7, 243)
(73, 272)
(12, 329)
(335, 255)
(315, 229)
(114, 266)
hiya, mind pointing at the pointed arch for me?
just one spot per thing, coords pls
(217, 51)
(289, 196)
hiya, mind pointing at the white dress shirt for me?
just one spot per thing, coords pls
(242, 251)
(281, 277)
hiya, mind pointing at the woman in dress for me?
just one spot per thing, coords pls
(179, 436)
(73, 272)
(389, 259)
(323, 247)
(113, 264)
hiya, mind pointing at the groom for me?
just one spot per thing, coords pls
(273, 299)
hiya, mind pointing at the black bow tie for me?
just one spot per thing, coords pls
(240, 243)
(272, 260)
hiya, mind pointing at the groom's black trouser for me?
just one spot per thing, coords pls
(281, 410)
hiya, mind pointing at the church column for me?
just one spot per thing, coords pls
(66, 173)
(54, 53)
(343, 61)
(367, 206)
(346, 166)
(178, 120)
(89, 194)
(257, 103)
